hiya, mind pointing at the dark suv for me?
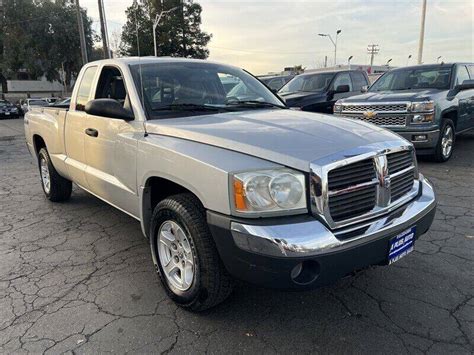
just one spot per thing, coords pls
(318, 91)
(426, 104)
(8, 110)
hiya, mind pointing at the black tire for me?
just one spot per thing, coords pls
(60, 188)
(439, 155)
(211, 284)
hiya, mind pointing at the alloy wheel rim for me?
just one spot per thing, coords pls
(175, 255)
(447, 142)
(45, 175)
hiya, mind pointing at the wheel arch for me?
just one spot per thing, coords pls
(452, 114)
(156, 189)
(38, 143)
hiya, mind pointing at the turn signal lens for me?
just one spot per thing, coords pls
(239, 196)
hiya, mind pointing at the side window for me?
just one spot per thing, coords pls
(85, 88)
(461, 74)
(342, 79)
(359, 80)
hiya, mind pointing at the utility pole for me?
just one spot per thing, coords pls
(372, 49)
(82, 37)
(422, 33)
(103, 30)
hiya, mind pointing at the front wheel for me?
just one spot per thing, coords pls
(55, 187)
(185, 255)
(445, 145)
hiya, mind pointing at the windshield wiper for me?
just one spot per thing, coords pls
(187, 107)
(253, 103)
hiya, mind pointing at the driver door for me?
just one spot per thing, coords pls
(111, 148)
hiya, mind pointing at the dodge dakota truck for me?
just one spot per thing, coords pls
(426, 104)
(226, 188)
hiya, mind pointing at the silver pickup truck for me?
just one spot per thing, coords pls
(227, 186)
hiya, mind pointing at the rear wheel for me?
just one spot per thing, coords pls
(185, 255)
(55, 187)
(445, 146)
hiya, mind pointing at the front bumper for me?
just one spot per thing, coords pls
(9, 115)
(432, 137)
(267, 252)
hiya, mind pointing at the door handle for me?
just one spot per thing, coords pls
(92, 132)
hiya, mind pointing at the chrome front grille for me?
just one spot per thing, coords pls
(399, 161)
(385, 120)
(386, 107)
(344, 201)
(350, 175)
(390, 114)
(363, 185)
(399, 165)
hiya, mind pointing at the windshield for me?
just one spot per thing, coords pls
(173, 89)
(38, 103)
(315, 82)
(414, 78)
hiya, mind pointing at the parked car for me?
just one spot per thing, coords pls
(426, 104)
(27, 104)
(229, 188)
(276, 82)
(317, 92)
(8, 110)
(62, 103)
(51, 100)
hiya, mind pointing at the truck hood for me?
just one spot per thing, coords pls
(394, 96)
(285, 137)
(297, 99)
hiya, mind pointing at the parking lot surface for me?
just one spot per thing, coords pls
(78, 277)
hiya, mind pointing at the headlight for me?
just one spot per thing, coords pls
(337, 107)
(267, 191)
(422, 118)
(422, 106)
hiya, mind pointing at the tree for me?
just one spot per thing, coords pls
(179, 33)
(42, 37)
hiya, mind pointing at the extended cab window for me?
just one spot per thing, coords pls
(84, 91)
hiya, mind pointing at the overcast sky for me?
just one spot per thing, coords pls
(264, 36)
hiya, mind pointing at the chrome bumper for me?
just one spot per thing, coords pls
(314, 238)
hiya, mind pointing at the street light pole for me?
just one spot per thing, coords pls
(155, 25)
(333, 42)
(349, 61)
(437, 60)
(408, 59)
(422, 33)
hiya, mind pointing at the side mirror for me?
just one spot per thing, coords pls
(108, 108)
(342, 88)
(466, 85)
(364, 88)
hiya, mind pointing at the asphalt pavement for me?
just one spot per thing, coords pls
(77, 277)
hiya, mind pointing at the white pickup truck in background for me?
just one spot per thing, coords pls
(228, 186)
